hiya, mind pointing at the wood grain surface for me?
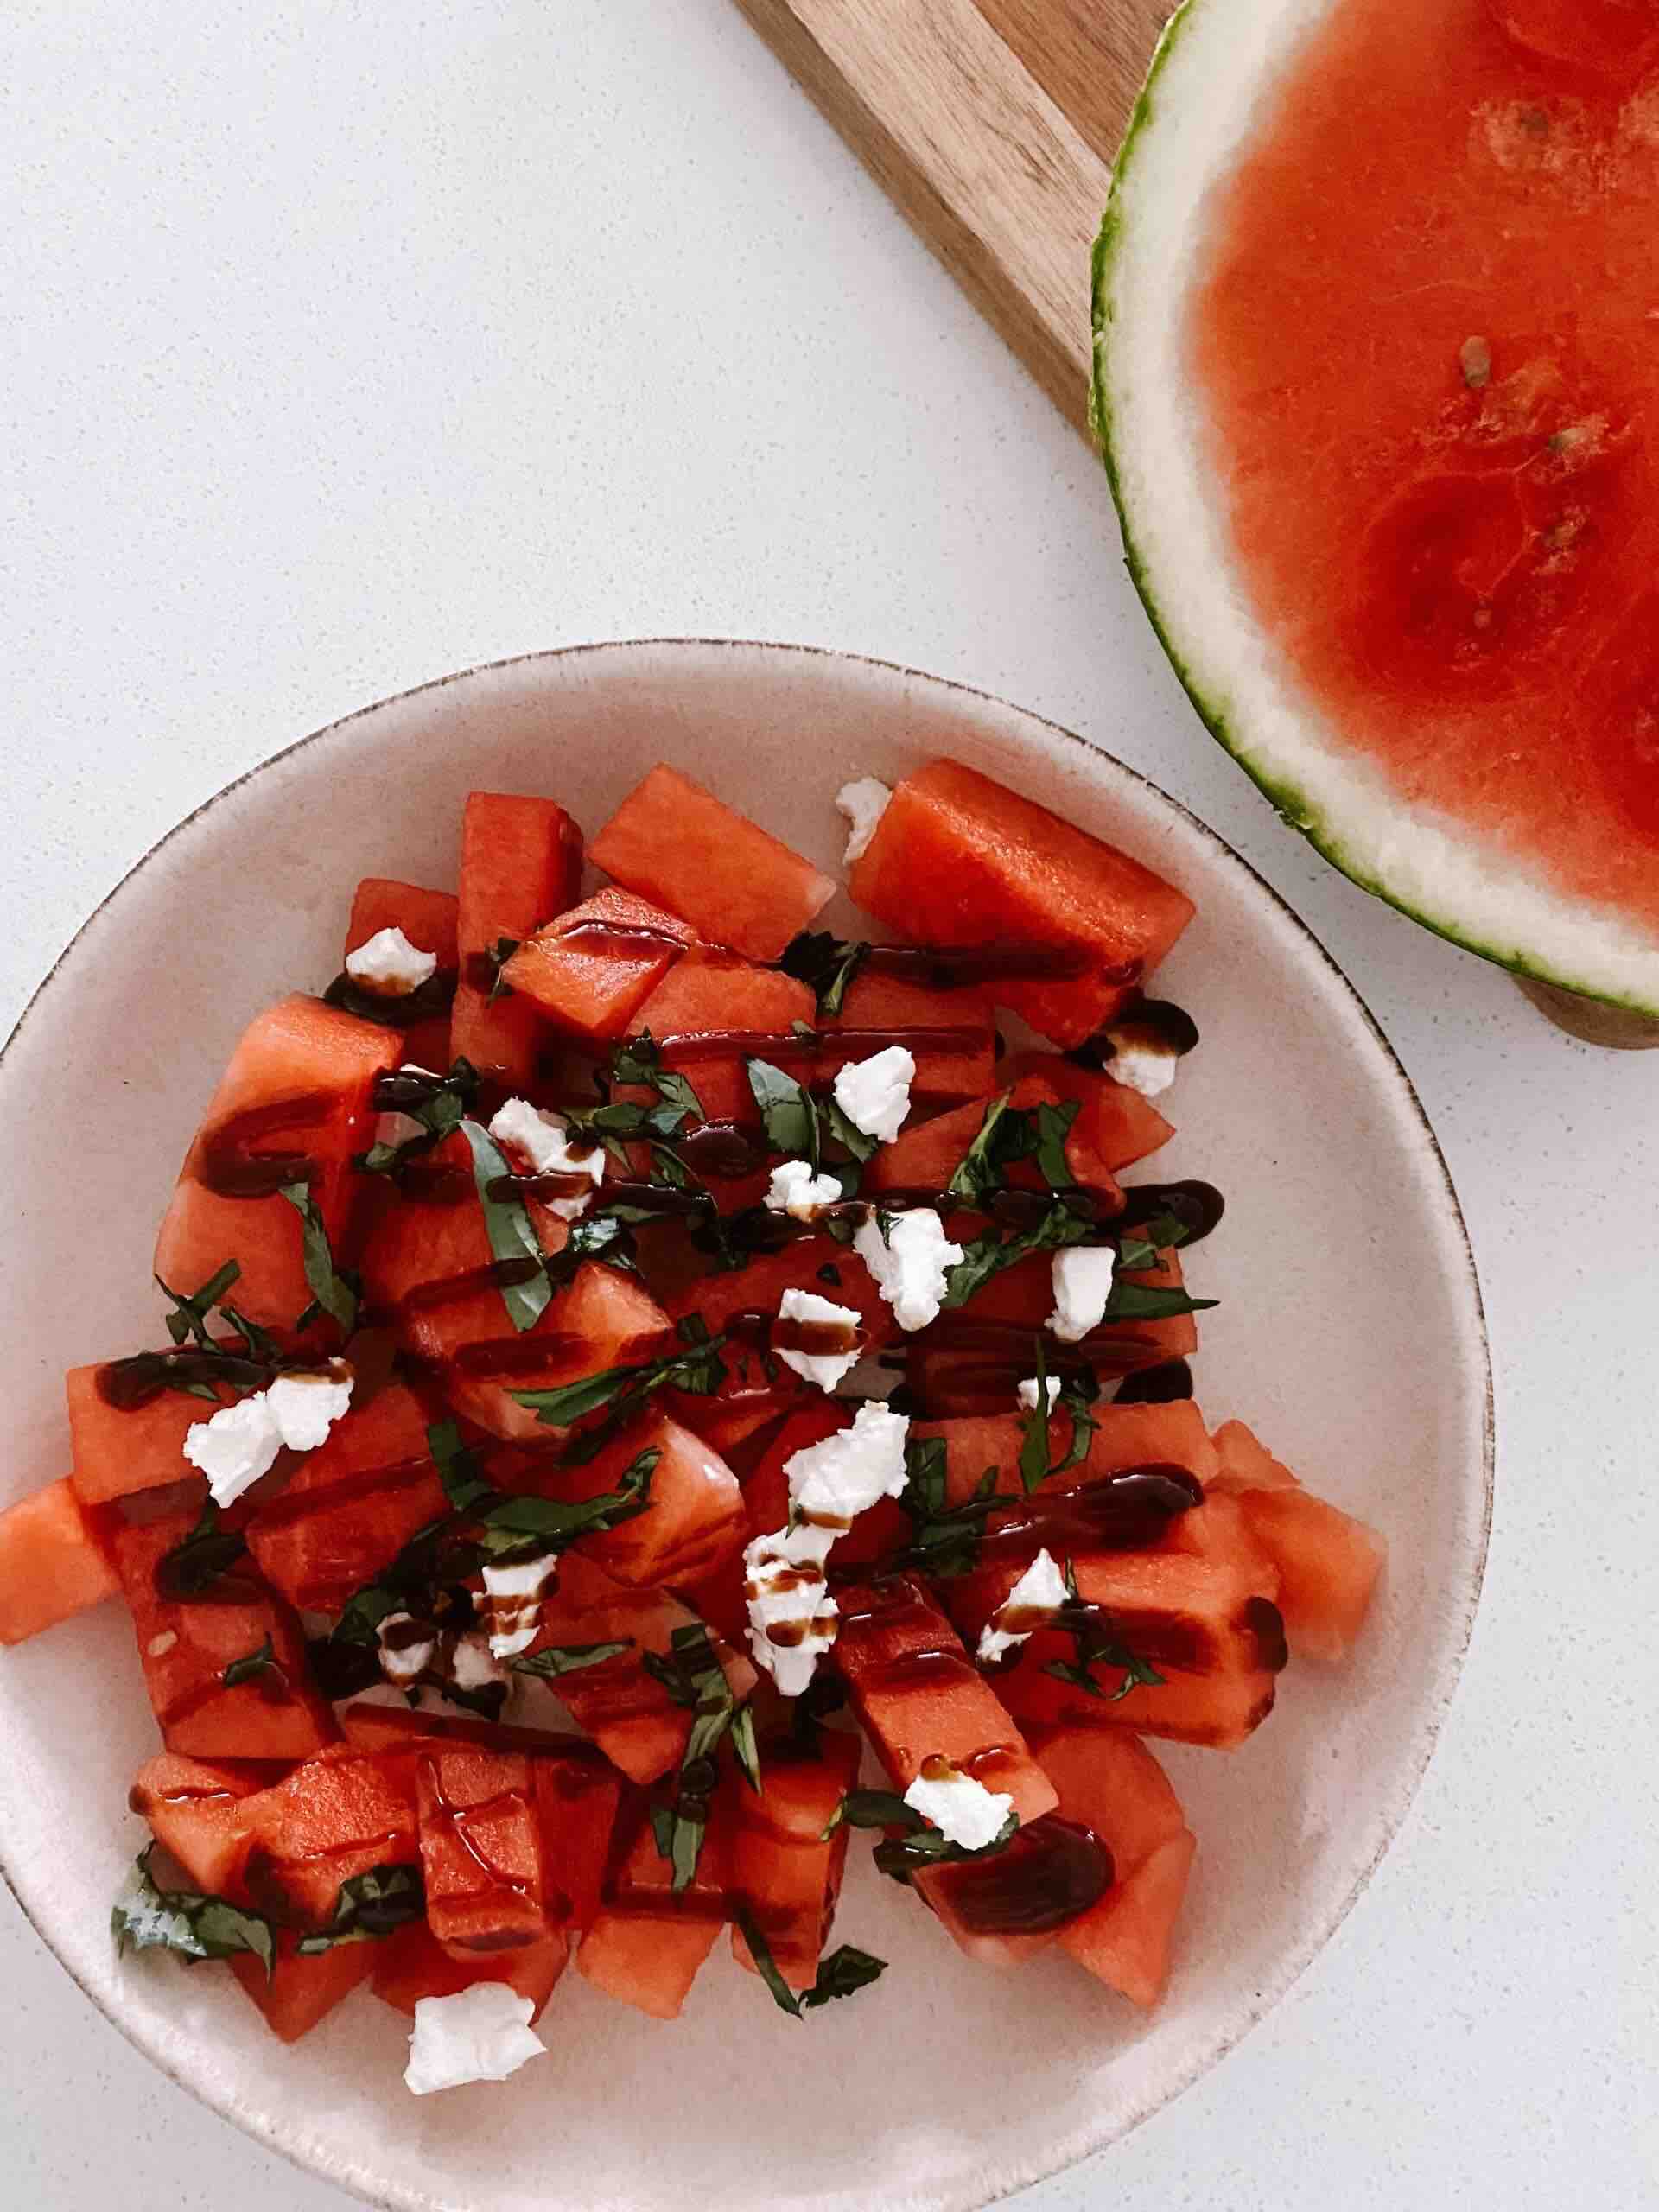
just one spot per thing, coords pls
(992, 123)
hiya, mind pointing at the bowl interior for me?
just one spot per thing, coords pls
(1349, 1332)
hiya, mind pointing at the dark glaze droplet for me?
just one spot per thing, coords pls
(1048, 1872)
(1157, 1024)
(718, 1149)
(1156, 1386)
(1199, 1206)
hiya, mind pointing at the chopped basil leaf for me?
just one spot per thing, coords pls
(844, 1972)
(333, 1292)
(440, 1110)
(637, 1059)
(148, 1917)
(697, 1369)
(1034, 1451)
(1097, 1647)
(250, 1663)
(1053, 1127)
(406, 1584)
(369, 1906)
(193, 1566)
(464, 1482)
(872, 1808)
(189, 1315)
(988, 1254)
(830, 1274)
(1138, 1301)
(945, 1538)
(786, 1111)
(498, 954)
(548, 1524)
(566, 1658)
(846, 1131)
(487, 1702)
(510, 1230)
(827, 962)
(765, 1965)
(601, 1237)
(979, 1172)
(691, 1674)
(261, 1344)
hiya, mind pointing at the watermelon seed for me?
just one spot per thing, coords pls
(1476, 356)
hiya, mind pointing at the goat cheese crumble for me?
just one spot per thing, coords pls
(1083, 1282)
(389, 966)
(863, 802)
(544, 1139)
(964, 1811)
(826, 1368)
(480, 2034)
(874, 1094)
(909, 1263)
(1040, 1590)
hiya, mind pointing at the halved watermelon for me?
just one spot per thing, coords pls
(196, 1813)
(292, 1107)
(1409, 584)
(957, 860)
(1113, 1784)
(52, 1566)
(520, 865)
(674, 842)
(430, 920)
(788, 1875)
(186, 1645)
(1327, 1561)
(341, 1814)
(302, 1989)
(647, 1944)
(919, 1696)
(349, 1507)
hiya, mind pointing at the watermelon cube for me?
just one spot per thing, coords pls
(646, 1943)
(480, 1848)
(293, 1106)
(694, 1519)
(787, 1875)
(578, 1794)
(196, 1813)
(350, 1506)
(429, 921)
(121, 1445)
(302, 1989)
(592, 970)
(1111, 1783)
(1327, 1562)
(341, 1814)
(1114, 1124)
(925, 1157)
(958, 859)
(188, 1645)
(52, 1566)
(709, 1014)
(948, 1034)
(919, 1696)
(520, 865)
(676, 843)
(412, 1964)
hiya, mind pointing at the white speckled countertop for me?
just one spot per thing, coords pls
(345, 346)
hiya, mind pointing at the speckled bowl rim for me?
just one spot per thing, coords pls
(1297, 1960)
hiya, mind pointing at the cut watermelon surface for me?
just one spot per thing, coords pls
(611, 1566)
(1373, 326)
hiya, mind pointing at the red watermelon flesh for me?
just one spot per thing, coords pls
(957, 860)
(709, 1014)
(303, 1990)
(1005, 1909)
(592, 970)
(341, 1814)
(428, 920)
(1125, 1436)
(480, 1848)
(919, 1696)
(1204, 1624)
(926, 1157)
(1327, 1561)
(196, 1813)
(694, 1518)
(186, 1646)
(520, 865)
(676, 844)
(619, 1702)
(647, 1944)
(577, 1797)
(292, 1107)
(787, 1874)
(120, 1449)
(1111, 1783)
(51, 1565)
(412, 1964)
(948, 1034)
(1114, 1124)
(350, 1506)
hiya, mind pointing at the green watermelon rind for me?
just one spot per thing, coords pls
(1291, 803)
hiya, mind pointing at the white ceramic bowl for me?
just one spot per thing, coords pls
(1349, 1331)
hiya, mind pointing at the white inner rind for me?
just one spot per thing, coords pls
(1219, 64)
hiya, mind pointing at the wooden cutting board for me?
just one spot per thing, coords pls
(994, 124)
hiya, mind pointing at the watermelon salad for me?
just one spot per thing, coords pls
(652, 1392)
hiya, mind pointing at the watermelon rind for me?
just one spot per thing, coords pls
(1215, 65)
